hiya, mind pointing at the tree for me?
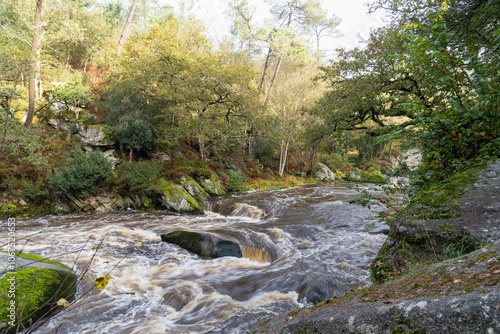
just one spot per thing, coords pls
(33, 63)
(171, 83)
(418, 81)
(126, 26)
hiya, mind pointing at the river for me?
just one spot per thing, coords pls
(301, 246)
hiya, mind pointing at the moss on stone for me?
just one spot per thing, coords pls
(176, 193)
(444, 192)
(362, 176)
(34, 292)
(37, 258)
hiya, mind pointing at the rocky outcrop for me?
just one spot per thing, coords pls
(33, 291)
(454, 217)
(358, 175)
(198, 193)
(203, 244)
(92, 136)
(460, 295)
(324, 173)
(104, 202)
(176, 198)
(213, 186)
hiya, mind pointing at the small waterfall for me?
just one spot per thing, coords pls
(256, 254)
(246, 210)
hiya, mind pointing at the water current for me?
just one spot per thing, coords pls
(301, 246)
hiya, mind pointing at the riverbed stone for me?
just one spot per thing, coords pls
(203, 244)
(33, 288)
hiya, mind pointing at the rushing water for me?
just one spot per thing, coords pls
(301, 246)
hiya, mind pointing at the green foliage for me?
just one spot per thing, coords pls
(139, 178)
(462, 125)
(334, 161)
(264, 151)
(81, 174)
(134, 129)
(73, 93)
(237, 181)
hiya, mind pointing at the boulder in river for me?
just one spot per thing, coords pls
(32, 290)
(203, 244)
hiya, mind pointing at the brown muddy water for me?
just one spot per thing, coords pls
(301, 246)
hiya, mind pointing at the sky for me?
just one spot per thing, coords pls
(353, 13)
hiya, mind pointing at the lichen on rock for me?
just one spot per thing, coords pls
(176, 198)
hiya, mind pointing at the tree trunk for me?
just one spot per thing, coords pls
(126, 27)
(266, 66)
(33, 62)
(201, 143)
(273, 82)
(283, 156)
(7, 110)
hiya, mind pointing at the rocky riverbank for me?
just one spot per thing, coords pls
(438, 272)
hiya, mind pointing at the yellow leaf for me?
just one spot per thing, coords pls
(139, 244)
(63, 302)
(101, 282)
(95, 247)
(444, 6)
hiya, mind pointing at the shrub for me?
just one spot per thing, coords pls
(137, 177)
(264, 151)
(237, 181)
(335, 161)
(81, 174)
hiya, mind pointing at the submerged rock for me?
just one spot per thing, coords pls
(203, 244)
(178, 298)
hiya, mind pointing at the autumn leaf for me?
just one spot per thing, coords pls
(101, 282)
(63, 302)
(139, 244)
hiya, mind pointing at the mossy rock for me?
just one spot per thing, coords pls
(177, 198)
(213, 186)
(358, 175)
(39, 259)
(197, 191)
(32, 294)
(452, 218)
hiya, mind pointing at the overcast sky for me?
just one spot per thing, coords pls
(353, 13)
